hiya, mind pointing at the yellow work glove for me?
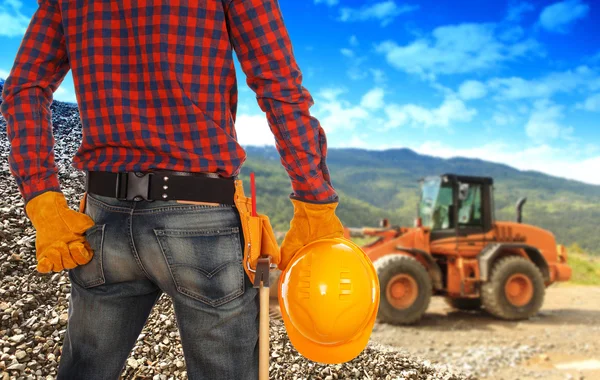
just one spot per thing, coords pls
(59, 242)
(311, 221)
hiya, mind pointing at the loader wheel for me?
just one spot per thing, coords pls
(405, 289)
(464, 303)
(515, 289)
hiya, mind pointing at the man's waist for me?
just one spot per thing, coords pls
(225, 162)
(162, 185)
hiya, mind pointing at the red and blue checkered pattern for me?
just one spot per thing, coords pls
(156, 88)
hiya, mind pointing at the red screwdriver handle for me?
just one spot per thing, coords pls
(253, 193)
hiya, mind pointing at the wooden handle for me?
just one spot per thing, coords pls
(263, 335)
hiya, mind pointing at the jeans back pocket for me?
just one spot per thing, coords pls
(205, 264)
(92, 273)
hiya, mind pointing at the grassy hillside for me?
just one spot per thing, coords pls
(586, 269)
(377, 184)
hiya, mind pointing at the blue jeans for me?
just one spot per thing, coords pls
(193, 253)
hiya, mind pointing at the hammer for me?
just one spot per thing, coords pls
(261, 281)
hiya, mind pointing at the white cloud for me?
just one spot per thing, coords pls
(503, 119)
(373, 99)
(592, 103)
(385, 12)
(378, 76)
(4, 73)
(558, 16)
(254, 130)
(543, 158)
(472, 89)
(327, 2)
(512, 34)
(356, 73)
(515, 88)
(450, 111)
(545, 122)
(516, 11)
(355, 70)
(13, 23)
(347, 52)
(374, 113)
(523, 48)
(455, 49)
(338, 114)
(331, 94)
(354, 41)
(506, 115)
(357, 141)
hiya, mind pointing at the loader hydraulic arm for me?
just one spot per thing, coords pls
(385, 233)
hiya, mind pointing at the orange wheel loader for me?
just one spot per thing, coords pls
(459, 251)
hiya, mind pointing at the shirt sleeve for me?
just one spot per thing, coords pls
(261, 42)
(40, 66)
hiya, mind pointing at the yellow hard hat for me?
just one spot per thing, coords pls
(329, 297)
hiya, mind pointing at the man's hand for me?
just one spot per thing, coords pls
(59, 243)
(311, 221)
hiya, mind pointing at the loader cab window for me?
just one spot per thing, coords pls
(469, 212)
(436, 205)
(443, 215)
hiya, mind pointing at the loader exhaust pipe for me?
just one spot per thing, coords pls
(520, 204)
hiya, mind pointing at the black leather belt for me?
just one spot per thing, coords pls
(162, 186)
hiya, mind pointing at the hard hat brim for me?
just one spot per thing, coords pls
(329, 354)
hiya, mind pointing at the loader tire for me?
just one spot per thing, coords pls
(464, 303)
(405, 289)
(515, 290)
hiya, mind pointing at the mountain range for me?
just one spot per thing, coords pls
(384, 184)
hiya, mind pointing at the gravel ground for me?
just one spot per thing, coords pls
(33, 307)
(561, 342)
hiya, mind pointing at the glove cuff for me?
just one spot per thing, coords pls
(335, 199)
(38, 207)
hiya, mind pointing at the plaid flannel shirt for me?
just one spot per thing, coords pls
(156, 88)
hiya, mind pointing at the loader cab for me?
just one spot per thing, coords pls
(454, 205)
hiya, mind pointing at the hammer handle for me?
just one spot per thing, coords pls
(263, 335)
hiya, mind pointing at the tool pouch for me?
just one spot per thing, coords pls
(259, 237)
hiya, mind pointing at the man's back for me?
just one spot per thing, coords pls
(155, 81)
(156, 88)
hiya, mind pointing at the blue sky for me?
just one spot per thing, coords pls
(516, 82)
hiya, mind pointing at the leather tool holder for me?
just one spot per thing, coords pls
(259, 237)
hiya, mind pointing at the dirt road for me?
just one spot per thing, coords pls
(561, 342)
